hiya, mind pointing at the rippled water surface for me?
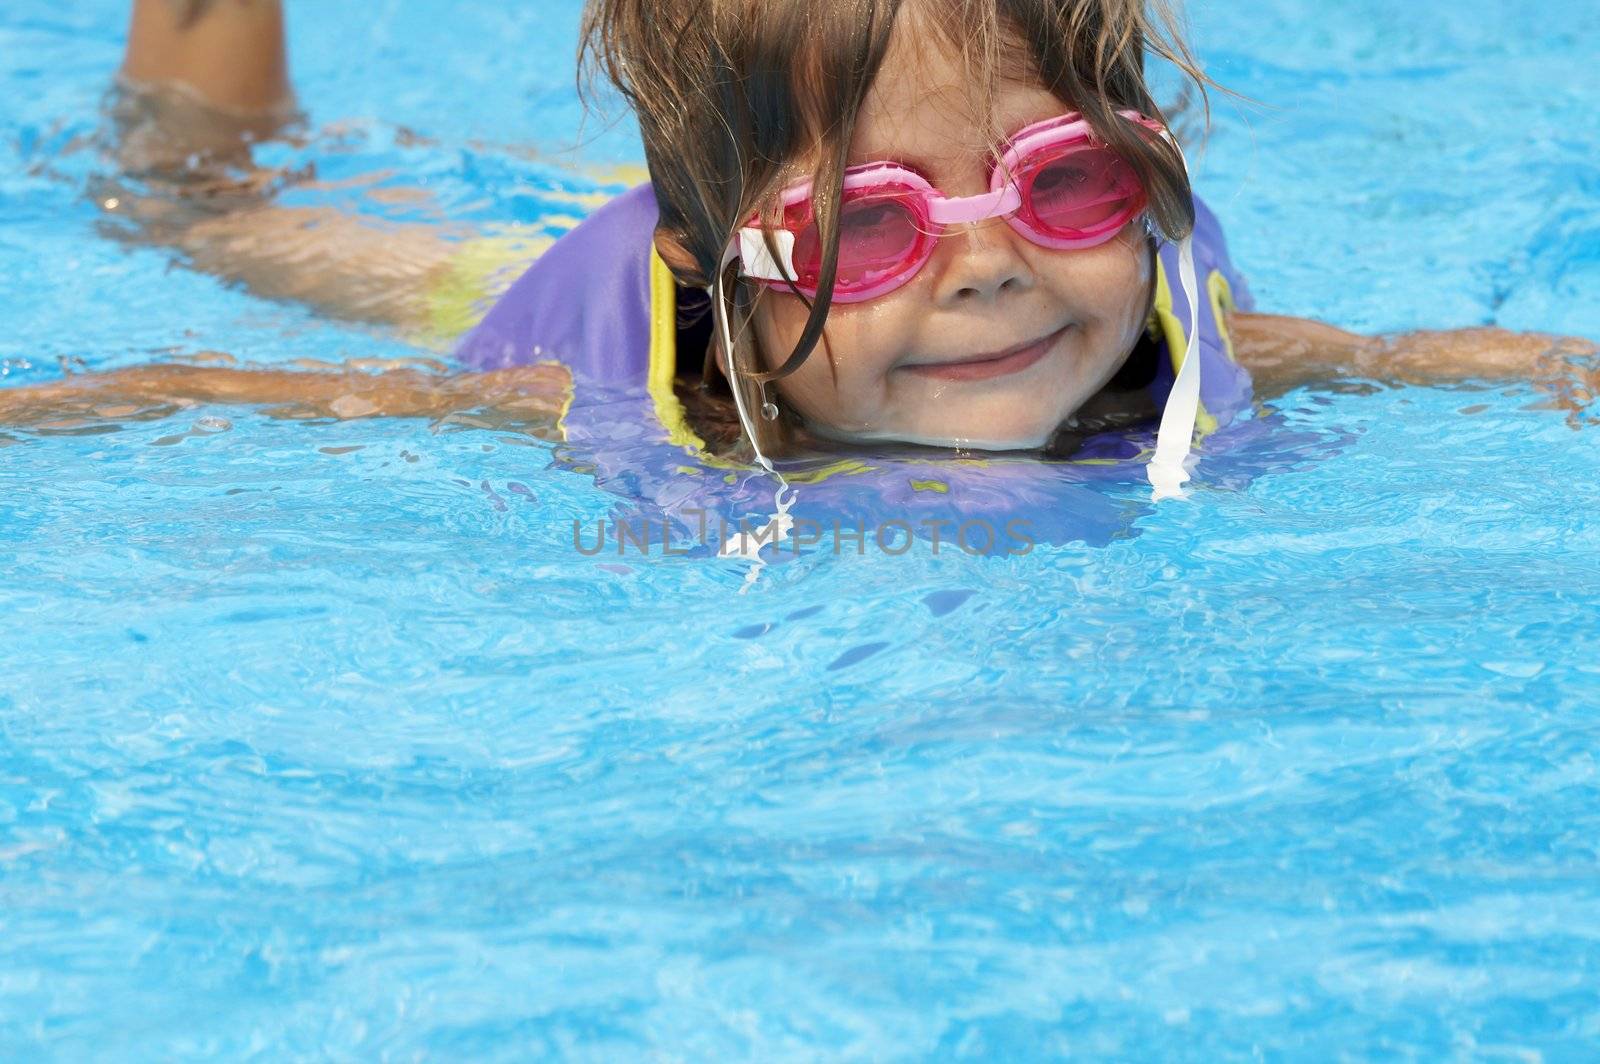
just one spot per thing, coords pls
(322, 740)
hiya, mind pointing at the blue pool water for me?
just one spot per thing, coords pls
(321, 740)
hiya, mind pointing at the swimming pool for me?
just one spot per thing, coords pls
(322, 740)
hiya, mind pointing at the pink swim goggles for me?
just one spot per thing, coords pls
(1056, 184)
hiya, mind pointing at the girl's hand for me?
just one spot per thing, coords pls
(1569, 370)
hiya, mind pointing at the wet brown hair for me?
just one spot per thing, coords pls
(731, 94)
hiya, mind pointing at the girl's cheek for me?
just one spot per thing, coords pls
(1113, 285)
(874, 336)
(780, 320)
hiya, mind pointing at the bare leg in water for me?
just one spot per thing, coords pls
(202, 81)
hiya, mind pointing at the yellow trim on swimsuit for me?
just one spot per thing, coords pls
(484, 267)
(664, 356)
(1222, 305)
(478, 274)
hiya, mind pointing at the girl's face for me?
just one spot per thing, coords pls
(997, 341)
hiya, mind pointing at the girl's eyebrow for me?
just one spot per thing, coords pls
(989, 149)
(946, 153)
(899, 158)
(923, 164)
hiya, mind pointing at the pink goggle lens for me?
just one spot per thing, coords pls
(1081, 192)
(880, 236)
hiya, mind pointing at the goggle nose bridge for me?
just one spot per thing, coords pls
(1001, 203)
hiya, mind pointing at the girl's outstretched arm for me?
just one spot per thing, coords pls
(528, 399)
(1286, 353)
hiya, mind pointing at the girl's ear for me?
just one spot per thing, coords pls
(679, 259)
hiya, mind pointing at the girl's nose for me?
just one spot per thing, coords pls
(978, 263)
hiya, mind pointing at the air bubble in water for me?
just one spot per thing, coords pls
(213, 424)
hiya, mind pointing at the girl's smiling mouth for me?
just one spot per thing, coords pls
(988, 366)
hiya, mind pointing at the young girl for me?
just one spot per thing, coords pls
(957, 223)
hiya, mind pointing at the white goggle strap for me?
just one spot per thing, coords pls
(1175, 438)
(779, 523)
(723, 311)
(756, 259)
